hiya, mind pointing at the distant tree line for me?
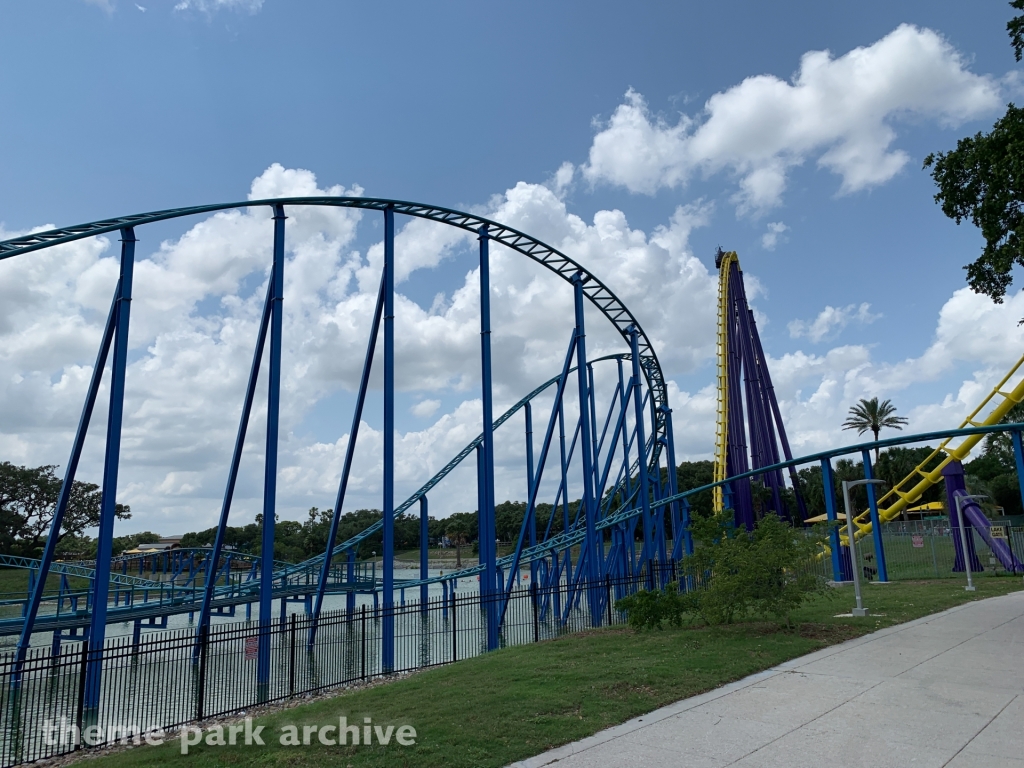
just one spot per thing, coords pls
(28, 497)
(28, 500)
(994, 472)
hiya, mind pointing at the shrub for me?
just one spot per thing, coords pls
(763, 572)
(734, 574)
(649, 609)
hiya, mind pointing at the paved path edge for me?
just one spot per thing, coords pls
(671, 710)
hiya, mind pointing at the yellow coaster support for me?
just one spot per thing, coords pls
(923, 478)
(722, 425)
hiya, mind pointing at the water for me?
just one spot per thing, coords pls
(162, 683)
(332, 602)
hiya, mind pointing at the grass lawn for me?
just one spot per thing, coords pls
(933, 560)
(14, 586)
(14, 582)
(518, 702)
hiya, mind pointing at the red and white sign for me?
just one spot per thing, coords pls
(917, 541)
(252, 647)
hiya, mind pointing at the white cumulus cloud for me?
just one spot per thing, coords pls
(770, 239)
(196, 308)
(831, 320)
(425, 408)
(840, 111)
(816, 391)
(209, 6)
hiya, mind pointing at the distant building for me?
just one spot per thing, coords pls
(154, 547)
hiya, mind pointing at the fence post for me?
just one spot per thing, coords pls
(362, 632)
(533, 601)
(291, 655)
(455, 628)
(80, 706)
(876, 523)
(608, 591)
(204, 639)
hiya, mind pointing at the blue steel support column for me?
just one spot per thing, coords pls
(529, 488)
(595, 461)
(531, 505)
(481, 502)
(564, 467)
(487, 523)
(346, 469)
(840, 558)
(727, 496)
(594, 547)
(624, 405)
(1018, 456)
(876, 525)
(773, 403)
(628, 529)
(737, 459)
(424, 553)
(39, 585)
(684, 514)
(388, 624)
(270, 466)
(641, 450)
(236, 458)
(108, 503)
(763, 448)
(350, 596)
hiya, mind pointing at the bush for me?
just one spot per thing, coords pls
(764, 572)
(734, 574)
(650, 609)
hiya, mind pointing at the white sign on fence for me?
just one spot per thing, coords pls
(999, 532)
(917, 541)
(252, 647)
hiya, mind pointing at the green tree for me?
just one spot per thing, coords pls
(315, 531)
(982, 180)
(694, 474)
(896, 467)
(294, 541)
(874, 416)
(734, 573)
(764, 572)
(812, 488)
(28, 499)
(508, 520)
(994, 472)
(458, 532)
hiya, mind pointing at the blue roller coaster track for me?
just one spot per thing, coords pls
(615, 469)
(627, 518)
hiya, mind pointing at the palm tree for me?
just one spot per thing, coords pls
(870, 414)
(457, 532)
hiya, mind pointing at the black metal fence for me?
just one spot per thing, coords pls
(171, 678)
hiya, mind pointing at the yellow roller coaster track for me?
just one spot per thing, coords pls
(722, 425)
(924, 476)
(909, 490)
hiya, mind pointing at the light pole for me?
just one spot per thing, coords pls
(963, 536)
(860, 610)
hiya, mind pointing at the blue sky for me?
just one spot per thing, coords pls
(111, 109)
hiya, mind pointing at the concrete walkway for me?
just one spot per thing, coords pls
(945, 690)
